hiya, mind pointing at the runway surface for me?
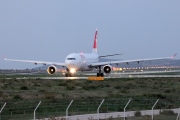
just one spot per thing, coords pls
(141, 74)
(76, 78)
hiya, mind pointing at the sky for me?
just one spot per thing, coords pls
(49, 30)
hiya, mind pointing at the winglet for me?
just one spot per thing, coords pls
(174, 55)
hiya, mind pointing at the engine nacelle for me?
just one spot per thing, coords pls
(52, 69)
(107, 69)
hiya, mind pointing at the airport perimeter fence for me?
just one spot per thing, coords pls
(90, 109)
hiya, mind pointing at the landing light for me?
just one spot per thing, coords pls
(72, 70)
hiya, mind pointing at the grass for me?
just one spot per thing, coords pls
(22, 95)
(154, 88)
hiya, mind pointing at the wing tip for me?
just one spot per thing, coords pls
(96, 29)
(4, 57)
(174, 55)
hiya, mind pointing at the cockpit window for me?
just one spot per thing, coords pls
(71, 59)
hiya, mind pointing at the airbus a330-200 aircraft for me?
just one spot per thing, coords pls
(85, 62)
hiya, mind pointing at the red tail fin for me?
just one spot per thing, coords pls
(95, 42)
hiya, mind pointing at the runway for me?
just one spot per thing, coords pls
(140, 74)
(108, 77)
(148, 72)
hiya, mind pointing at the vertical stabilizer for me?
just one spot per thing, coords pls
(95, 43)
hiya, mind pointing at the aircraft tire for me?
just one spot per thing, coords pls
(102, 75)
(98, 74)
(69, 75)
(66, 75)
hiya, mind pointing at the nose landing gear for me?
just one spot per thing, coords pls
(68, 74)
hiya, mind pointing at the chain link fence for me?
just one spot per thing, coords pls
(111, 109)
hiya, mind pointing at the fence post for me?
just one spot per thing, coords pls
(125, 108)
(36, 109)
(99, 108)
(68, 108)
(178, 114)
(153, 109)
(2, 109)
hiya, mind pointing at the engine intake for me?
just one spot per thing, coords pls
(107, 69)
(52, 69)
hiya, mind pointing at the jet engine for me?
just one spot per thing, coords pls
(52, 69)
(107, 69)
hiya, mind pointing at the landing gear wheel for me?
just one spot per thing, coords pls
(98, 74)
(101, 74)
(68, 75)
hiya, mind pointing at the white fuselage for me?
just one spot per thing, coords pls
(81, 61)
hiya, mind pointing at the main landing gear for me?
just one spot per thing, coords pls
(100, 74)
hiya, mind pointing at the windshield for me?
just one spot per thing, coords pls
(71, 59)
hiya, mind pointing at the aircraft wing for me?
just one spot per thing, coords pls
(36, 62)
(127, 61)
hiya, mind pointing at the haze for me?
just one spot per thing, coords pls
(49, 30)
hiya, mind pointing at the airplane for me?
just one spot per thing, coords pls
(85, 62)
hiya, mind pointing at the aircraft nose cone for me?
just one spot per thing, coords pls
(70, 64)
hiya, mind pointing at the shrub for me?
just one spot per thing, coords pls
(62, 83)
(1, 93)
(70, 87)
(147, 117)
(85, 87)
(130, 84)
(154, 95)
(42, 90)
(37, 85)
(167, 91)
(137, 114)
(24, 88)
(107, 85)
(89, 87)
(124, 91)
(110, 118)
(49, 96)
(167, 112)
(103, 110)
(93, 87)
(117, 87)
(17, 97)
